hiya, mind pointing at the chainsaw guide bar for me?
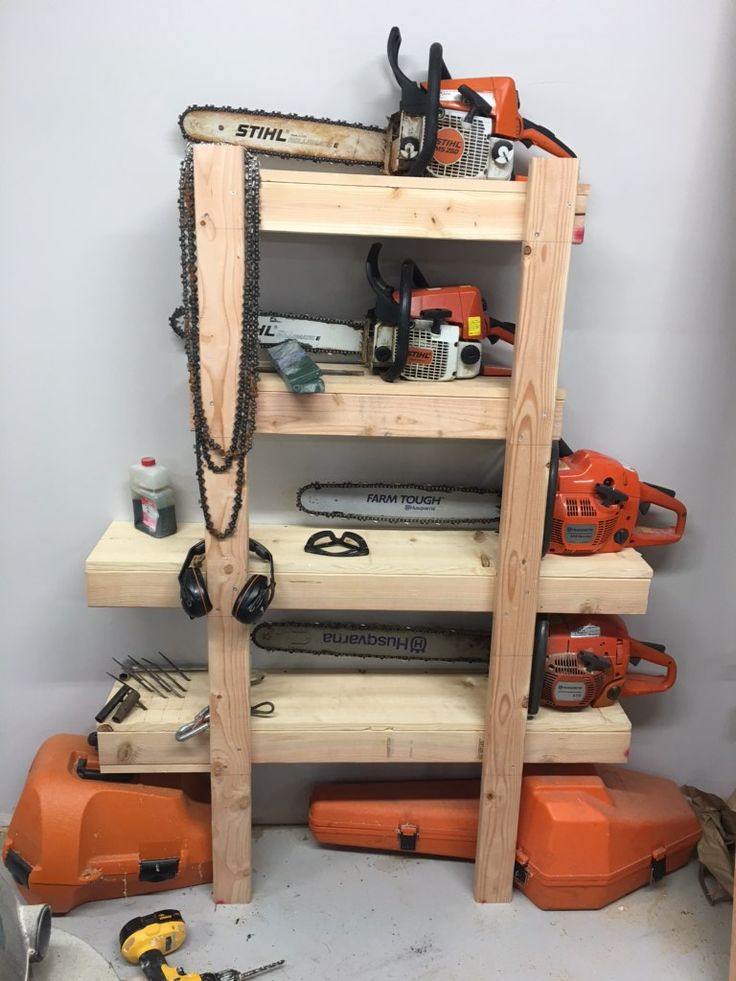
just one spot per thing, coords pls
(364, 640)
(402, 504)
(286, 135)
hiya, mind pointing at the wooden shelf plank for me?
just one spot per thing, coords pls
(410, 570)
(307, 202)
(365, 405)
(350, 717)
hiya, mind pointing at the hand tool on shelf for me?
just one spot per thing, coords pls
(594, 504)
(581, 660)
(445, 127)
(411, 505)
(416, 332)
(146, 940)
(372, 641)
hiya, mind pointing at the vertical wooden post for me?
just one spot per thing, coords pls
(550, 213)
(218, 195)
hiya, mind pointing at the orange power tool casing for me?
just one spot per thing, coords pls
(598, 502)
(587, 663)
(75, 839)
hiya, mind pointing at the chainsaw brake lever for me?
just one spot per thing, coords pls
(401, 347)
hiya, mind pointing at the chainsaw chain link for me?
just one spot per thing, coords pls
(434, 631)
(185, 322)
(287, 115)
(407, 522)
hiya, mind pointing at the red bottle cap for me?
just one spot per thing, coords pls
(148, 461)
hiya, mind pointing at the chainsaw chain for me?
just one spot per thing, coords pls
(329, 625)
(288, 115)
(186, 318)
(410, 522)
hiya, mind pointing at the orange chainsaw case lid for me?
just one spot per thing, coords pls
(74, 840)
(591, 835)
(427, 817)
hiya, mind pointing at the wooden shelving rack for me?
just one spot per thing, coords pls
(358, 717)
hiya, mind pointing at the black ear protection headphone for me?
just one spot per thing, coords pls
(251, 602)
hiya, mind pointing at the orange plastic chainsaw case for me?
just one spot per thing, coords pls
(595, 833)
(426, 817)
(75, 839)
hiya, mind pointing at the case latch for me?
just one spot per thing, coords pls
(158, 869)
(659, 864)
(408, 834)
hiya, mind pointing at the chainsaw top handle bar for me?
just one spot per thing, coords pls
(416, 100)
(401, 347)
(387, 308)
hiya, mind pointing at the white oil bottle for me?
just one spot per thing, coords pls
(153, 498)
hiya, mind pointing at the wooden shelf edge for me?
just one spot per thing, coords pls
(129, 569)
(352, 717)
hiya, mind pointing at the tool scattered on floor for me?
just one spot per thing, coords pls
(146, 940)
(594, 504)
(582, 660)
(372, 641)
(348, 545)
(445, 127)
(384, 503)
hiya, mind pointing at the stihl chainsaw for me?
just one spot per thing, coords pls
(364, 640)
(445, 127)
(594, 504)
(417, 332)
(584, 660)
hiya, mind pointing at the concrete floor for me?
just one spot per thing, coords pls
(344, 916)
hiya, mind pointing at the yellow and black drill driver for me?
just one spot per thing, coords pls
(146, 940)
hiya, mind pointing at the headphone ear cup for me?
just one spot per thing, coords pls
(193, 593)
(253, 599)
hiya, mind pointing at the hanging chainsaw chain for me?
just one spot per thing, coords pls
(185, 322)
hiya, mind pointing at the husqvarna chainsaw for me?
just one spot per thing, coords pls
(445, 127)
(416, 332)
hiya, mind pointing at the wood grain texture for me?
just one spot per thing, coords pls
(367, 204)
(412, 570)
(544, 269)
(218, 194)
(476, 408)
(351, 717)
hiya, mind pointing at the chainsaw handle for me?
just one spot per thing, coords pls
(501, 330)
(659, 536)
(649, 684)
(535, 135)
(403, 325)
(554, 470)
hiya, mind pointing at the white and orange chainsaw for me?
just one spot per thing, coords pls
(445, 127)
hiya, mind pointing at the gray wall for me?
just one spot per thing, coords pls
(92, 378)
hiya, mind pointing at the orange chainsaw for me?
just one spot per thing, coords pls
(594, 504)
(445, 127)
(582, 660)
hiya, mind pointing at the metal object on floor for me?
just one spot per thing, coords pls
(24, 932)
(145, 940)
